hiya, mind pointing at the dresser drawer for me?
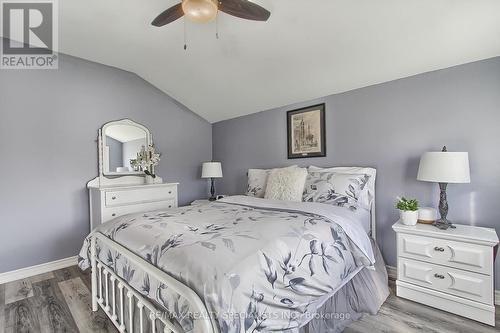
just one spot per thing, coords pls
(142, 195)
(461, 255)
(473, 286)
(110, 213)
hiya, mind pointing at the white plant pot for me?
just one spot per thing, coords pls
(409, 217)
(150, 179)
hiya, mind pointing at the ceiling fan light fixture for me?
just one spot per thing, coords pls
(200, 11)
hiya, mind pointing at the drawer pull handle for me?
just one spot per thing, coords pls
(440, 249)
(169, 206)
(169, 192)
(113, 198)
(113, 214)
(439, 276)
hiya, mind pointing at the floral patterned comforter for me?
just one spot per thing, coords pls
(259, 265)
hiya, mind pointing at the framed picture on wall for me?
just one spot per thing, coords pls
(306, 132)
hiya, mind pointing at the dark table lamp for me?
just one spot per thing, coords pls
(211, 170)
(444, 167)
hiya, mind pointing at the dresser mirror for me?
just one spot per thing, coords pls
(121, 141)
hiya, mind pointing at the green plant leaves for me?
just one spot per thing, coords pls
(407, 204)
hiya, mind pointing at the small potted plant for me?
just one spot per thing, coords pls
(408, 209)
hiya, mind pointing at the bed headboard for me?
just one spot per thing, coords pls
(373, 224)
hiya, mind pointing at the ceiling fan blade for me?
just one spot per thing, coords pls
(170, 15)
(244, 9)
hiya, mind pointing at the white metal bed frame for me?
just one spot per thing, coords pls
(111, 293)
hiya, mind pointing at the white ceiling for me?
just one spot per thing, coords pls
(308, 48)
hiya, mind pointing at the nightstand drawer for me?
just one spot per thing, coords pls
(461, 255)
(113, 212)
(473, 286)
(120, 198)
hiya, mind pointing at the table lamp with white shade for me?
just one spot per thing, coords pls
(444, 167)
(211, 170)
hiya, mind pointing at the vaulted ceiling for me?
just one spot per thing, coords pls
(307, 49)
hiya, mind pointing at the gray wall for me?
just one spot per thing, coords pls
(48, 127)
(388, 126)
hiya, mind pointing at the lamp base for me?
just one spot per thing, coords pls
(443, 224)
(212, 190)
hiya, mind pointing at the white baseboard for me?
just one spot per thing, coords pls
(24, 273)
(392, 272)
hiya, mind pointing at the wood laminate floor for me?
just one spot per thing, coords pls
(60, 301)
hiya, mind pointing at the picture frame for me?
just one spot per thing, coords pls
(306, 133)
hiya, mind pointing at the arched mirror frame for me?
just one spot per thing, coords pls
(104, 152)
(118, 178)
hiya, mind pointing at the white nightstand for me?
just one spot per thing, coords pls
(204, 201)
(451, 270)
(199, 202)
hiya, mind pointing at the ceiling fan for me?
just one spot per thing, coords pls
(203, 11)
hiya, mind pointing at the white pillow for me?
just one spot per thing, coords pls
(257, 181)
(368, 195)
(286, 184)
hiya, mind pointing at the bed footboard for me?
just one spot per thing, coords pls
(128, 309)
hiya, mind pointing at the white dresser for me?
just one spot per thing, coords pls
(451, 270)
(109, 202)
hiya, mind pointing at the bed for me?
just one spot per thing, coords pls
(240, 264)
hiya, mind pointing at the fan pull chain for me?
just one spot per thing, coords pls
(217, 26)
(185, 36)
